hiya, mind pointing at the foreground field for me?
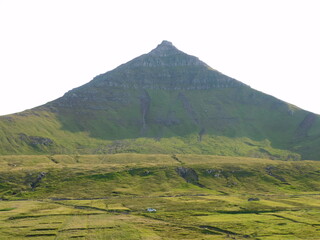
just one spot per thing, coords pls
(195, 197)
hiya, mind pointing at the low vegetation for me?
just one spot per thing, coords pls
(195, 197)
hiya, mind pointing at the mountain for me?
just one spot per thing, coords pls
(165, 101)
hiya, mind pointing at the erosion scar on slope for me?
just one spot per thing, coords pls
(144, 107)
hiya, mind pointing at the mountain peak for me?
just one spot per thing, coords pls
(166, 54)
(166, 43)
(165, 48)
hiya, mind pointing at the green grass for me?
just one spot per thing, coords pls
(106, 197)
(182, 217)
(233, 122)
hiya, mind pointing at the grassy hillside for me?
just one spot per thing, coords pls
(195, 197)
(234, 122)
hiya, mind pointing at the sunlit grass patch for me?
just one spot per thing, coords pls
(237, 218)
(117, 206)
(253, 224)
(299, 217)
(106, 197)
(313, 200)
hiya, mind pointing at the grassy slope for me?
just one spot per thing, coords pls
(234, 121)
(105, 197)
(144, 174)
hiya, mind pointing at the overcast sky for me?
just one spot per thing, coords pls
(49, 47)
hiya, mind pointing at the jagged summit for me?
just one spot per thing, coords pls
(164, 55)
(165, 43)
(165, 48)
(167, 54)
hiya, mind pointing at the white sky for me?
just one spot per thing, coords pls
(48, 47)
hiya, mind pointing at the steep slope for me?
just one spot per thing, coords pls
(164, 102)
